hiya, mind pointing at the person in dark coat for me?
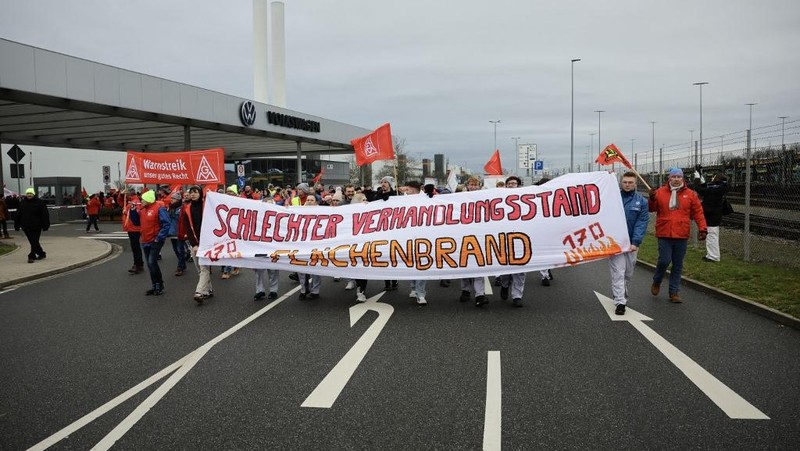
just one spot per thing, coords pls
(713, 195)
(33, 218)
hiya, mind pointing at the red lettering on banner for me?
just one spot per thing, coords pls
(561, 203)
(545, 196)
(223, 230)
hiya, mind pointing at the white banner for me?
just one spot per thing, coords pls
(570, 220)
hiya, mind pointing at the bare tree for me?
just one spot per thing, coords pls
(401, 166)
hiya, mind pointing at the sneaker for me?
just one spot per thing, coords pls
(225, 276)
(198, 297)
(272, 295)
(41, 257)
(294, 277)
(136, 269)
(210, 294)
(394, 285)
(549, 275)
(302, 295)
(620, 310)
(504, 293)
(517, 302)
(444, 283)
(350, 285)
(464, 296)
(178, 272)
(675, 298)
(706, 259)
(413, 294)
(361, 297)
(150, 292)
(480, 301)
(545, 282)
(655, 288)
(30, 260)
(235, 272)
(259, 296)
(421, 301)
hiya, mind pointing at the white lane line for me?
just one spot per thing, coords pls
(493, 422)
(726, 399)
(332, 385)
(183, 366)
(720, 394)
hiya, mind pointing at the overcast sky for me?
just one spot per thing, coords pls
(439, 70)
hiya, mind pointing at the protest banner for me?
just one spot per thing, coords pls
(196, 167)
(573, 219)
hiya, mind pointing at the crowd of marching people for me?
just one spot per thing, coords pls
(152, 217)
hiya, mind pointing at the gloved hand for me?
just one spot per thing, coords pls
(701, 235)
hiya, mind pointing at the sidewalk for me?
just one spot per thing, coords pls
(63, 254)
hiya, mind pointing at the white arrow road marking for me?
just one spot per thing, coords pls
(332, 385)
(492, 423)
(726, 399)
(182, 366)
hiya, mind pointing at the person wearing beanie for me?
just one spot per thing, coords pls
(33, 218)
(233, 190)
(154, 223)
(303, 191)
(675, 206)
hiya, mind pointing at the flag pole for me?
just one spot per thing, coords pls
(640, 178)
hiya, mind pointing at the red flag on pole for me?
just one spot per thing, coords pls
(611, 155)
(375, 146)
(493, 166)
(319, 175)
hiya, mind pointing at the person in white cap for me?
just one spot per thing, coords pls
(33, 218)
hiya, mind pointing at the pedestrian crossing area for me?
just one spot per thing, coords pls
(105, 236)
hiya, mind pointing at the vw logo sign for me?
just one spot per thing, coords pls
(247, 113)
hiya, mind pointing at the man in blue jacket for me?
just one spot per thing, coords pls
(636, 216)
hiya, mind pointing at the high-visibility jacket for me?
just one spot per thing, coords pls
(154, 222)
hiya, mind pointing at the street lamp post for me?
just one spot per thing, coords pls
(591, 144)
(495, 132)
(572, 116)
(750, 127)
(701, 83)
(599, 146)
(783, 122)
(516, 146)
(691, 147)
(654, 145)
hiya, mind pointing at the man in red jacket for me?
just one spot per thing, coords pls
(154, 223)
(675, 206)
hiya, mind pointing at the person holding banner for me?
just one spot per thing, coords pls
(384, 192)
(191, 220)
(227, 271)
(636, 216)
(154, 222)
(675, 206)
(474, 284)
(272, 274)
(418, 287)
(516, 280)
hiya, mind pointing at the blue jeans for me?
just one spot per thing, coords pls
(670, 250)
(180, 252)
(151, 251)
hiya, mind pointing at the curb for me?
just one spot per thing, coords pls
(730, 298)
(109, 250)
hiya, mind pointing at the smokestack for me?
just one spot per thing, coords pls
(278, 56)
(260, 52)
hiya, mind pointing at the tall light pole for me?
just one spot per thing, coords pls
(591, 143)
(516, 146)
(599, 146)
(783, 122)
(750, 127)
(495, 132)
(701, 83)
(572, 116)
(654, 145)
(691, 146)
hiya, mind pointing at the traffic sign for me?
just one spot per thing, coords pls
(240, 170)
(16, 153)
(106, 174)
(527, 153)
(538, 165)
(17, 171)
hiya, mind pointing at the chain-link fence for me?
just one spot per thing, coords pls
(765, 225)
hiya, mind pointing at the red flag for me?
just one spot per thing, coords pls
(611, 155)
(493, 166)
(84, 194)
(318, 177)
(375, 146)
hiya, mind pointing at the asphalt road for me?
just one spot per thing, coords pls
(569, 376)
